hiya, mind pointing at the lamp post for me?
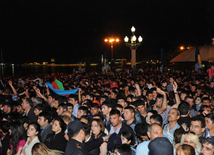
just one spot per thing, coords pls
(133, 45)
(111, 41)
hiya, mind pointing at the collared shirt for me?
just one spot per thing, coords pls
(106, 122)
(142, 148)
(193, 112)
(112, 129)
(42, 129)
(170, 133)
(165, 115)
(76, 106)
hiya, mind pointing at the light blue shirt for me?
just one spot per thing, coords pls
(142, 148)
(76, 106)
(170, 133)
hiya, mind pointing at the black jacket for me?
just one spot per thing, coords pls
(56, 141)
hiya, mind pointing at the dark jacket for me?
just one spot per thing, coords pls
(56, 141)
(123, 128)
(75, 147)
(5, 144)
(46, 131)
(31, 115)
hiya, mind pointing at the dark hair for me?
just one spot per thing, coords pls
(64, 106)
(5, 126)
(85, 117)
(95, 105)
(157, 118)
(205, 99)
(124, 149)
(24, 119)
(75, 97)
(141, 130)
(139, 103)
(84, 109)
(100, 123)
(184, 108)
(36, 126)
(61, 123)
(178, 134)
(211, 116)
(40, 107)
(69, 104)
(130, 108)
(107, 103)
(129, 136)
(88, 103)
(86, 128)
(153, 112)
(115, 112)
(199, 118)
(118, 106)
(100, 116)
(17, 133)
(46, 116)
(29, 101)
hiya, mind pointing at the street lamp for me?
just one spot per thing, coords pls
(111, 41)
(133, 45)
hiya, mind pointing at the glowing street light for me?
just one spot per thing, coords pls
(111, 41)
(133, 45)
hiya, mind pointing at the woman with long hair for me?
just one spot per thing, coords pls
(32, 133)
(18, 138)
(185, 150)
(98, 129)
(57, 140)
(41, 149)
(193, 140)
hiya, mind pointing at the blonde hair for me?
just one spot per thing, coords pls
(41, 149)
(66, 118)
(186, 149)
(194, 139)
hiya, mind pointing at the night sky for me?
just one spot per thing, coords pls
(74, 30)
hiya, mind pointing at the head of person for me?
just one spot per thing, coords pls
(173, 115)
(70, 107)
(129, 113)
(185, 150)
(98, 116)
(17, 133)
(66, 119)
(73, 99)
(123, 149)
(67, 113)
(97, 127)
(58, 125)
(76, 131)
(159, 101)
(184, 108)
(106, 107)
(141, 106)
(177, 135)
(82, 111)
(206, 101)
(4, 127)
(156, 118)
(33, 129)
(149, 95)
(95, 109)
(61, 109)
(190, 100)
(115, 118)
(191, 139)
(149, 114)
(204, 110)
(141, 131)
(127, 138)
(154, 130)
(43, 119)
(38, 109)
(160, 146)
(121, 100)
(41, 149)
(119, 107)
(27, 103)
(207, 146)
(209, 120)
(183, 95)
(85, 119)
(7, 108)
(197, 125)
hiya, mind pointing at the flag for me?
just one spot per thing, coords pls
(61, 92)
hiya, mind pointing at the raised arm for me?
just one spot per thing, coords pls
(13, 89)
(177, 98)
(164, 103)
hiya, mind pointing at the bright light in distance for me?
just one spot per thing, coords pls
(133, 29)
(106, 40)
(181, 48)
(134, 38)
(140, 39)
(126, 39)
(117, 40)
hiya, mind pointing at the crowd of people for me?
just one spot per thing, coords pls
(140, 113)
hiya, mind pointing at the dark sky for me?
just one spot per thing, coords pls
(74, 30)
